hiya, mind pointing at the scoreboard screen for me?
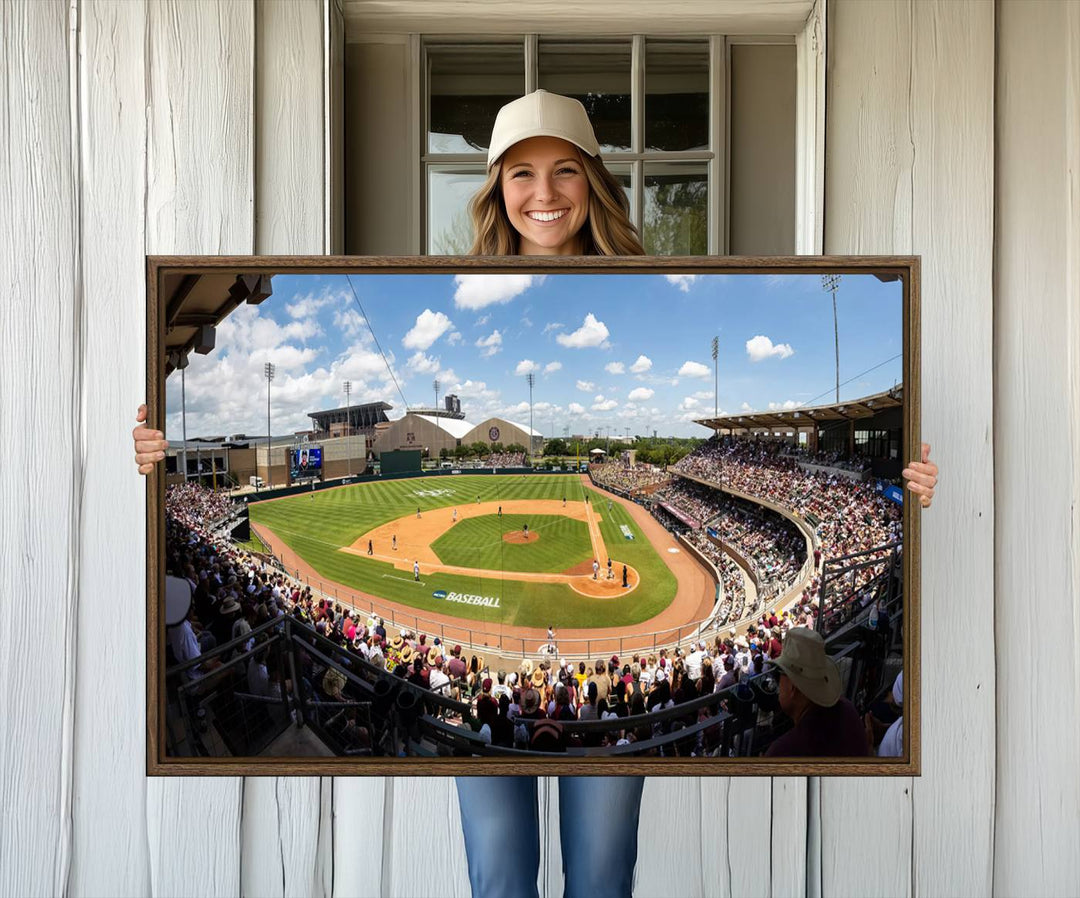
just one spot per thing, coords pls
(305, 462)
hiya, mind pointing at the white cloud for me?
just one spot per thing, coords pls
(586, 386)
(526, 366)
(761, 347)
(694, 369)
(349, 322)
(526, 322)
(640, 394)
(615, 368)
(220, 387)
(491, 344)
(308, 306)
(476, 291)
(643, 364)
(482, 320)
(591, 333)
(682, 281)
(428, 328)
(419, 363)
(688, 403)
(703, 394)
(454, 338)
(604, 405)
(552, 367)
(553, 326)
(575, 409)
(746, 407)
(513, 411)
(784, 406)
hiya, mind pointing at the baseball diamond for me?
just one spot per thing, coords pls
(545, 579)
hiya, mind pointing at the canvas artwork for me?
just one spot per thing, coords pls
(432, 516)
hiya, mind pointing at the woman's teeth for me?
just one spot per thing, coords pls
(546, 216)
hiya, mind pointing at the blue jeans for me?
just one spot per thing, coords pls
(598, 824)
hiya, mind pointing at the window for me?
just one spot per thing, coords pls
(659, 107)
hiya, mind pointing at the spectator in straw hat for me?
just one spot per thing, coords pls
(811, 694)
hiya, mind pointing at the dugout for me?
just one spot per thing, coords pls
(399, 461)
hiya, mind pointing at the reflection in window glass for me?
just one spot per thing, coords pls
(467, 86)
(676, 209)
(449, 191)
(676, 95)
(623, 176)
(597, 74)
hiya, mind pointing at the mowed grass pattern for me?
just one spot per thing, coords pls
(316, 525)
(556, 543)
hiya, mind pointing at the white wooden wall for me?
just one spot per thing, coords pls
(953, 132)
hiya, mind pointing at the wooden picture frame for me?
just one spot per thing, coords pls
(170, 279)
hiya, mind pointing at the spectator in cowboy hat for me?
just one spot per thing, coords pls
(811, 694)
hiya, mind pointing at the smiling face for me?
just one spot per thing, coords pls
(546, 195)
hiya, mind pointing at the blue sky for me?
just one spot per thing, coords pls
(608, 351)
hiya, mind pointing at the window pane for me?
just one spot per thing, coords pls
(676, 95)
(466, 87)
(624, 176)
(676, 209)
(449, 191)
(597, 74)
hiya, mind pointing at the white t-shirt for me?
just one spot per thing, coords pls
(438, 681)
(892, 743)
(185, 647)
(693, 664)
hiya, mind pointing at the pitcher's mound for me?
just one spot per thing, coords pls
(518, 538)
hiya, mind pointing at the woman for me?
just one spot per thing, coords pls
(548, 193)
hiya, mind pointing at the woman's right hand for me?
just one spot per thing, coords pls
(150, 445)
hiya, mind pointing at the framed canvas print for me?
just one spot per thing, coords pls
(474, 516)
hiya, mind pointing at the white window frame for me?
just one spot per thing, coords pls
(810, 124)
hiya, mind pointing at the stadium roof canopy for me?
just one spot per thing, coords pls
(531, 431)
(851, 410)
(196, 303)
(453, 426)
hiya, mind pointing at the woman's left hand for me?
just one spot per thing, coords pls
(922, 477)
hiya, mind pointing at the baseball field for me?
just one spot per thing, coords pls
(459, 545)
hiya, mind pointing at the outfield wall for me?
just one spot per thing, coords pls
(266, 495)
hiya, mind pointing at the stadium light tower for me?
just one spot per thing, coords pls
(180, 360)
(716, 375)
(531, 378)
(436, 385)
(347, 386)
(830, 283)
(268, 370)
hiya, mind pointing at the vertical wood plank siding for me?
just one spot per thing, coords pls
(1037, 447)
(909, 168)
(199, 190)
(169, 126)
(39, 405)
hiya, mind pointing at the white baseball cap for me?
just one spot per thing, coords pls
(541, 114)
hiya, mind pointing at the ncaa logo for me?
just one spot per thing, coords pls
(439, 594)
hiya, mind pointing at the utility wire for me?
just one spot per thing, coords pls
(367, 321)
(850, 379)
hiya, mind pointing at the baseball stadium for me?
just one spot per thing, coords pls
(425, 586)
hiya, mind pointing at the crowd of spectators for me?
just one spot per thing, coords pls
(235, 592)
(620, 476)
(857, 463)
(772, 545)
(505, 460)
(733, 606)
(847, 516)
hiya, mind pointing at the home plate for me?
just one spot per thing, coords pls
(673, 551)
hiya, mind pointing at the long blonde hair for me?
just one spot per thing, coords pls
(607, 231)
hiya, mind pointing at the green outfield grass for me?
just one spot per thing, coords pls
(557, 543)
(316, 525)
